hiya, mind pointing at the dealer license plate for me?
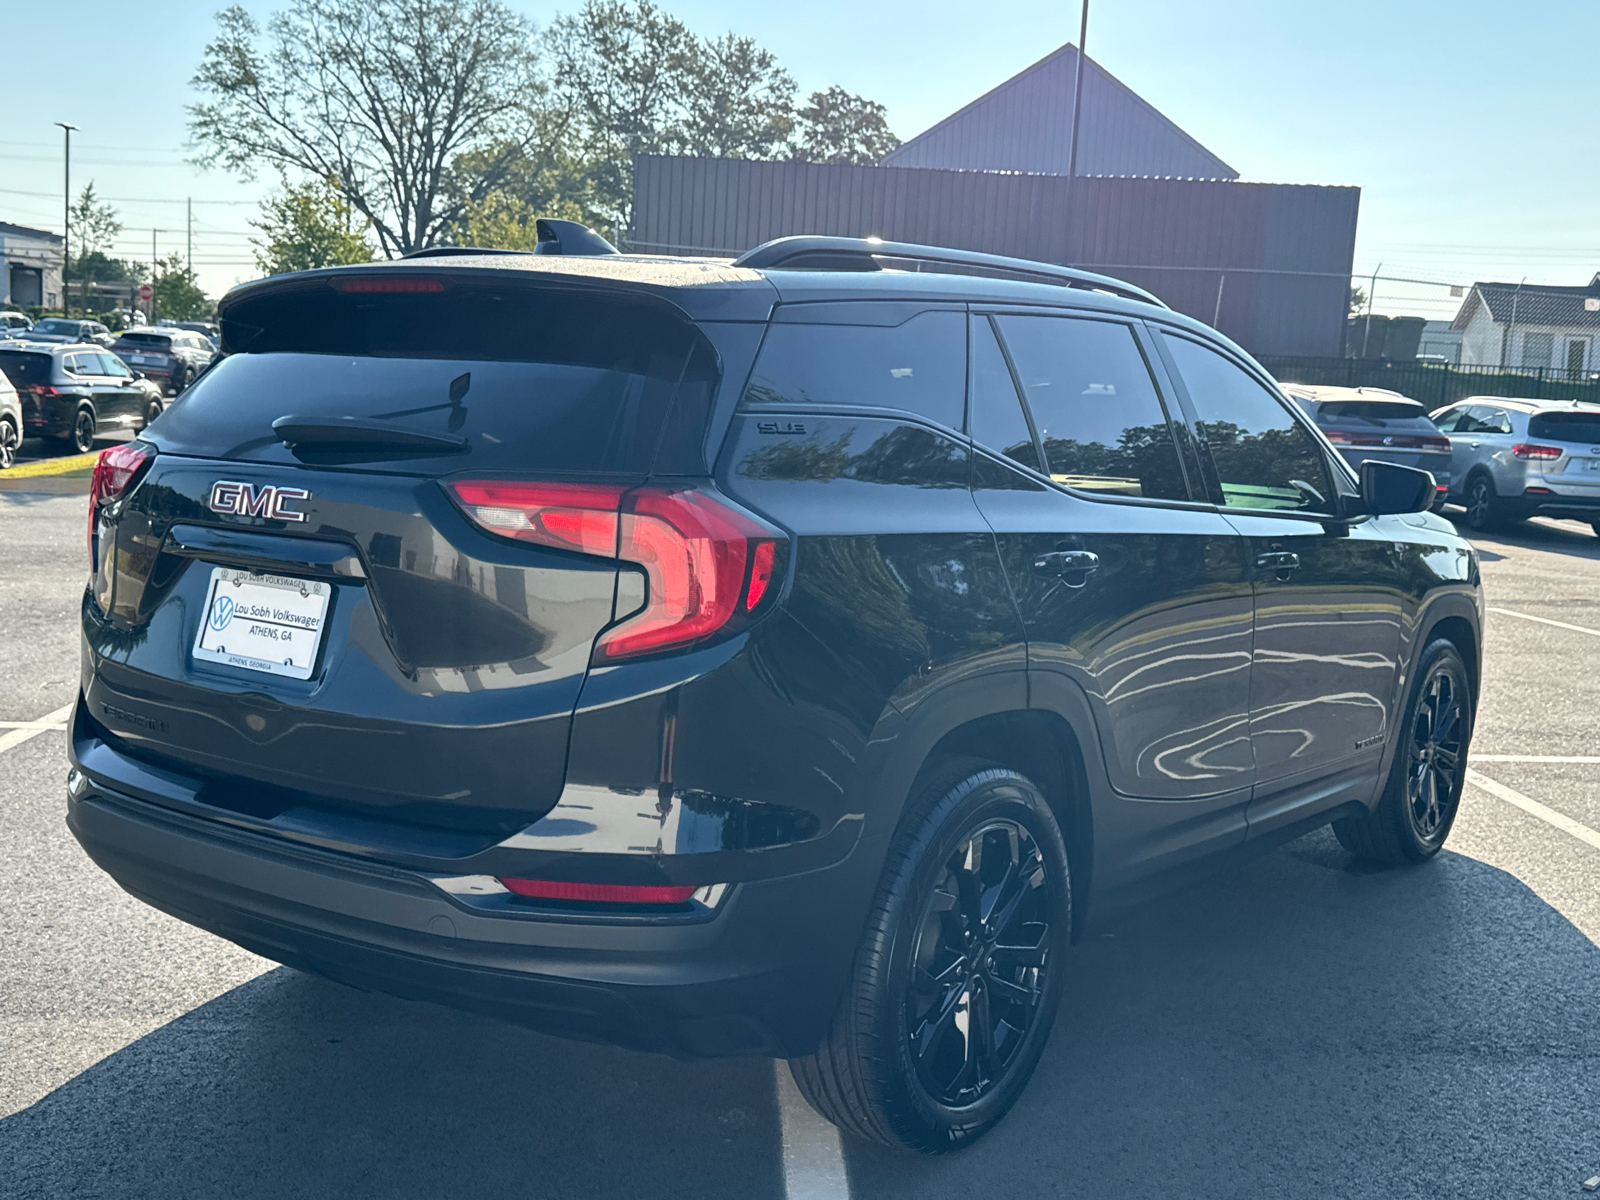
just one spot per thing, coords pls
(138, 358)
(268, 623)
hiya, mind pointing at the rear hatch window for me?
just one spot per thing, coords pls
(155, 341)
(24, 369)
(1566, 426)
(553, 381)
(1373, 412)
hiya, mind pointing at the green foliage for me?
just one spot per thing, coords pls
(96, 267)
(94, 224)
(308, 226)
(839, 127)
(112, 320)
(381, 95)
(177, 296)
(1358, 298)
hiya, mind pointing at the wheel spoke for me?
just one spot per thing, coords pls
(1004, 989)
(1019, 957)
(930, 1029)
(980, 1036)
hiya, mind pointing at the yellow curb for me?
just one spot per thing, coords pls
(51, 466)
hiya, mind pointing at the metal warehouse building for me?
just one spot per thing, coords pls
(1268, 264)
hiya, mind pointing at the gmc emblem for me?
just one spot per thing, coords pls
(242, 500)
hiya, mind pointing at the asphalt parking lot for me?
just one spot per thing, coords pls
(1301, 1027)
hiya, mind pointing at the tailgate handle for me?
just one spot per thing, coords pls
(289, 555)
(354, 432)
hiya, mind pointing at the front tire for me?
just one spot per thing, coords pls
(151, 411)
(959, 975)
(1418, 806)
(10, 439)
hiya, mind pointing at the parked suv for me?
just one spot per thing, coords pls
(782, 656)
(1514, 459)
(70, 393)
(62, 329)
(168, 357)
(1364, 422)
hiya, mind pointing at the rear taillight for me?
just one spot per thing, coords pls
(705, 562)
(41, 389)
(601, 893)
(1532, 450)
(1392, 441)
(114, 471)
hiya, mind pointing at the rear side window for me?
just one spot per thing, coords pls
(545, 380)
(998, 421)
(1263, 456)
(1566, 426)
(918, 366)
(24, 369)
(1095, 406)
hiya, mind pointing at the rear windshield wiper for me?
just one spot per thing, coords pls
(355, 433)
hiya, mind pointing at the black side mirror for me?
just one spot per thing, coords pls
(1390, 488)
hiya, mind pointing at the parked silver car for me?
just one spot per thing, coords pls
(1513, 458)
(1374, 423)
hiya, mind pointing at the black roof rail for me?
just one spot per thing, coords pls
(555, 237)
(863, 254)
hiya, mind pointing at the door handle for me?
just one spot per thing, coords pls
(1279, 561)
(1063, 563)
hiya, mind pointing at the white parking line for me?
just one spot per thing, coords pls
(813, 1163)
(1533, 808)
(1506, 612)
(1536, 758)
(24, 730)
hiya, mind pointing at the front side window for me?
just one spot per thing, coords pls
(918, 366)
(1263, 456)
(1095, 406)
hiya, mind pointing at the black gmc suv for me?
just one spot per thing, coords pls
(777, 656)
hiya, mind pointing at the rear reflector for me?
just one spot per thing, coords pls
(113, 471)
(601, 893)
(1530, 450)
(705, 562)
(379, 283)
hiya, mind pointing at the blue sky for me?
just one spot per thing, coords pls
(1470, 127)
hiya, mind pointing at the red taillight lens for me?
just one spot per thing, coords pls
(1392, 441)
(113, 471)
(697, 553)
(568, 516)
(41, 389)
(368, 284)
(1531, 450)
(705, 562)
(600, 893)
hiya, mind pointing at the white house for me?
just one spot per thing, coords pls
(1531, 325)
(30, 266)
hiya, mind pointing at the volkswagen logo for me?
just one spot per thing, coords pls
(221, 613)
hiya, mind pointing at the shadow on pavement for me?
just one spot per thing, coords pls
(1306, 1029)
(1558, 537)
(290, 1086)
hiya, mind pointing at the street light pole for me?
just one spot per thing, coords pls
(1072, 138)
(66, 214)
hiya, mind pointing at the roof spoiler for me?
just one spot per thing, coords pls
(555, 237)
(869, 254)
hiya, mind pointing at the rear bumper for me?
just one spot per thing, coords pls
(1569, 507)
(760, 974)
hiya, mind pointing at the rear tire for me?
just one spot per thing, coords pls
(10, 439)
(81, 439)
(151, 411)
(948, 1010)
(178, 380)
(1414, 815)
(1484, 509)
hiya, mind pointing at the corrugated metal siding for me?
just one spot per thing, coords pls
(1285, 250)
(1025, 124)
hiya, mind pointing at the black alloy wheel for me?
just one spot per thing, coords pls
(152, 410)
(1418, 806)
(979, 964)
(83, 431)
(958, 978)
(10, 439)
(1433, 782)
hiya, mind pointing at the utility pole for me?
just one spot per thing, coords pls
(66, 214)
(152, 277)
(1366, 332)
(190, 203)
(1077, 107)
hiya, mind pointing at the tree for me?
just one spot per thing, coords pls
(177, 296)
(621, 66)
(94, 224)
(379, 95)
(739, 102)
(838, 127)
(309, 226)
(1358, 298)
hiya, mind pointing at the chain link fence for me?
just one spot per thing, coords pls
(1437, 384)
